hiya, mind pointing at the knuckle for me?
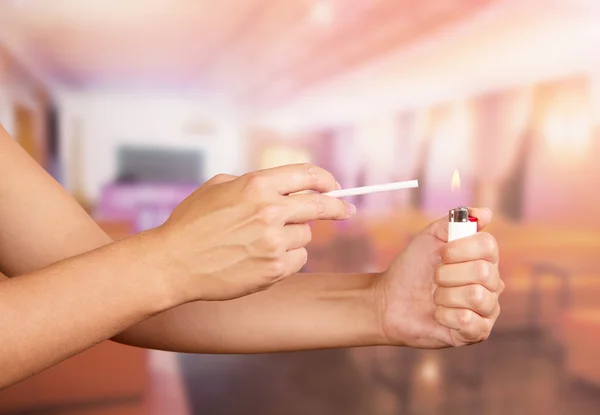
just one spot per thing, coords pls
(438, 275)
(490, 307)
(486, 332)
(447, 253)
(465, 318)
(310, 170)
(438, 314)
(437, 294)
(473, 332)
(484, 272)
(220, 178)
(476, 296)
(277, 269)
(268, 214)
(483, 336)
(307, 233)
(320, 206)
(303, 256)
(254, 182)
(323, 175)
(273, 241)
(495, 313)
(343, 209)
(488, 242)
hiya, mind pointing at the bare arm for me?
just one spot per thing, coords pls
(53, 313)
(105, 293)
(306, 311)
(43, 224)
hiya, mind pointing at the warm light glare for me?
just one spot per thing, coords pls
(430, 370)
(275, 156)
(455, 181)
(568, 123)
(566, 134)
(322, 12)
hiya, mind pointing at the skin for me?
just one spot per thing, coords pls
(220, 276)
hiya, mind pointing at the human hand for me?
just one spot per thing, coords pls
(439, 294)
(238, 235)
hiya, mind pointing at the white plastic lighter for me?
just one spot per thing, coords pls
(461, 224)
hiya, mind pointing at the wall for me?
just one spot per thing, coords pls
(94, 125)
(5, 102)
(19, 88)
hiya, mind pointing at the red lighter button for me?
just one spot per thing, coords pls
(472, 219)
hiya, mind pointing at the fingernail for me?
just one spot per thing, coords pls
(338, 186)
(351, 209)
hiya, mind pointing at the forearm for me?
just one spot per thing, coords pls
(307, 311)
(303, 312)
(53, 313)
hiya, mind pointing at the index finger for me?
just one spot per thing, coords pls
(297, 178)
(479, 246)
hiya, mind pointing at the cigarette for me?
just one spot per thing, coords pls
(373, 189)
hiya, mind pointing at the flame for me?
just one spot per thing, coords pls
(455, 181)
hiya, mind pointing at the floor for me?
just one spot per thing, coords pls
(165, 395)
(508, 374)
(511, 374)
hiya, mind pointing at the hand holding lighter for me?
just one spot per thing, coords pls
(461, 224)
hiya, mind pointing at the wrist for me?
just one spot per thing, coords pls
(153, 252)
(378, 307)
(363, 310)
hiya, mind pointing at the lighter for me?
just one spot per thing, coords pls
(461, 224)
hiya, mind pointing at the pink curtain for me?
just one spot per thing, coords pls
(449, 150)
(411, 141)
(501, 121)
(379, 159)
(564, 172)
(336, 151)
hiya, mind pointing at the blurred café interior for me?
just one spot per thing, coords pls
(133, 104)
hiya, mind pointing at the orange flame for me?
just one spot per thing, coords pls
(455, 181)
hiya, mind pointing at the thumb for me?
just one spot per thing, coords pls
(439, 228)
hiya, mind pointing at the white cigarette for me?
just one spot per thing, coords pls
(373, 189)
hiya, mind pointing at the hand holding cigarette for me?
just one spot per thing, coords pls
(261, 211)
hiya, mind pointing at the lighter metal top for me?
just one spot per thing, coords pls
(460, 214)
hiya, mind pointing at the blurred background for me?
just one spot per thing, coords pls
(133, 104)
